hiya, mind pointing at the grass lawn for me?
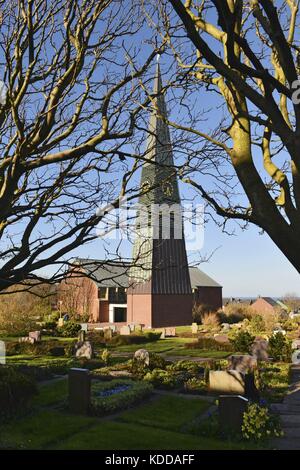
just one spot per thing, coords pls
(159, 346)
(160, 413)
(156, 424)
(199, 353)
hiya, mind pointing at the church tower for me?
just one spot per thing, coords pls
(160, 292)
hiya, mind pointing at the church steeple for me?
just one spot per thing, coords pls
(160, 281)
(159, 172)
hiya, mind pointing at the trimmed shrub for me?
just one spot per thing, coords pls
(186, 366)
(163, 379)
(280, 348)
(243, 342)
(69, 329)
(44, 348)
(208, 344)
(195, 385)
(124, 340)
(116, 395)
(16, 391)
(156, 361)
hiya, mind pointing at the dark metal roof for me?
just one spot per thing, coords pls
(117, 275)
(200, 279)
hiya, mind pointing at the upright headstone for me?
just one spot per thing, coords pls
(194, 328)
(2, 352)
(125, 330)
(60, 322)
(231, 411)
(84, 349)
(81, 335)
(113, 328)
(163, 333)
(142, 356)
(131, 327)
(79, 390)
(108, 334)
(171, 332)
(229, 382)
(84, 327)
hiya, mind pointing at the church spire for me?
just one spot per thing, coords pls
(159, 170)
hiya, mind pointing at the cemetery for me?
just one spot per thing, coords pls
(218, 383)
(128, 129)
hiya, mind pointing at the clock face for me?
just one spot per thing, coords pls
(167, 188)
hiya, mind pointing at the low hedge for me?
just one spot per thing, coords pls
(165, 379)
(43, 348)
(49, 367)
(124, 340)
(132, 393)
(16, 391)
(209, 344)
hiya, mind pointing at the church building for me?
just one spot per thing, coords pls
(158, 289)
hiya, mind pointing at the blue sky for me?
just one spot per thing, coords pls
(246, 264)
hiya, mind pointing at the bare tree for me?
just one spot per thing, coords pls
(246, 54)
(70, 99)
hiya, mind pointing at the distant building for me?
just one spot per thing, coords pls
(268, 305)
(101, 292)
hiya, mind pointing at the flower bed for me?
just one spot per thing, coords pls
(116, 395)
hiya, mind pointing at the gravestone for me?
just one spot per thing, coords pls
(260, 350)
(171, 332)
(79, 385)
(131, 327)
(296, 356)
(142, 356)
(60, 322)
(163, 333)
(242, 363)
(225, 327)
(84, 349)
(231, 382)
(81, 335)
(2, 352)
(113, 328)
(194, 328)
(231, 410)
(222, 339)
(125, 330)
(36, 335)
(296, 344)
(84, 327)
(108, 334)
